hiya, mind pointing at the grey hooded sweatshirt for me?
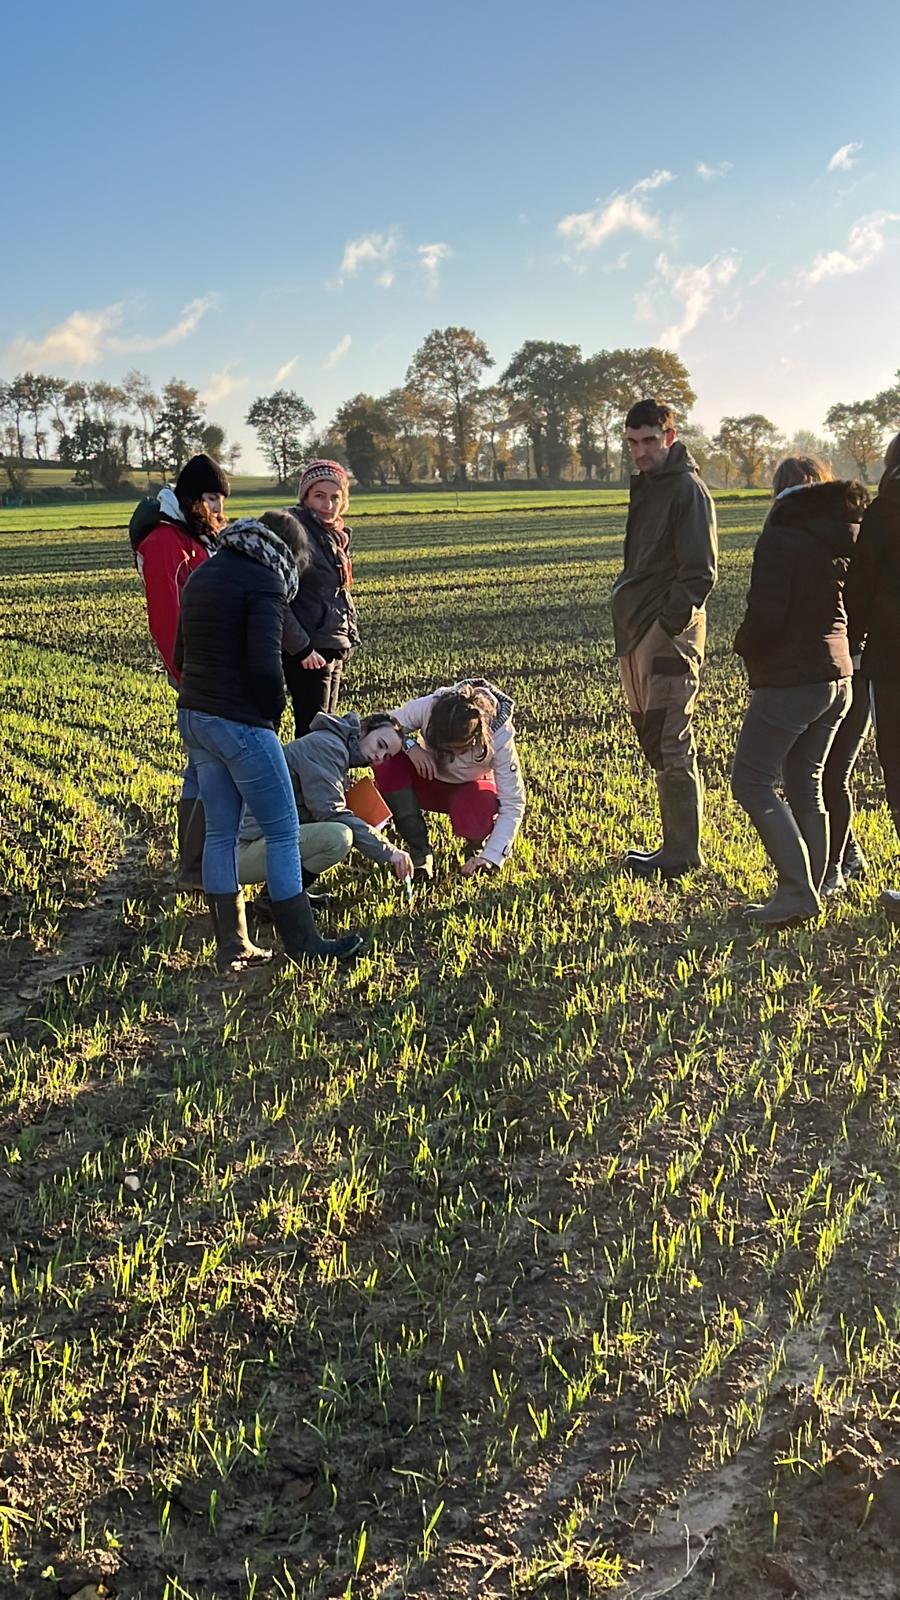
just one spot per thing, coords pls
(320, 766)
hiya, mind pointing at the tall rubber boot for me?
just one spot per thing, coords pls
(413, 830)
(680, 793)
(296, 928)
(815, 828)
(191, 839)
(795, 899)
(234, 951)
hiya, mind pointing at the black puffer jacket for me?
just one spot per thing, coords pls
(795, 626)
(873, 587)
(323, 616)
(228, 648)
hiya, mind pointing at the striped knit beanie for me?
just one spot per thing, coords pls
(325, 472)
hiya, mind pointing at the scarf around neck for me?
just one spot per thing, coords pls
(253, 539)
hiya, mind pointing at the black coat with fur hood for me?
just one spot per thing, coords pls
(873, 587)
(795, 626)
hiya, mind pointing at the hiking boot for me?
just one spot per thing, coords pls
(409, 819)
(680, 793)
(833, 883)
(234, 950)
(296, 928)
(191, 839)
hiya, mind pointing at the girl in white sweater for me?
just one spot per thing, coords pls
(459, 756)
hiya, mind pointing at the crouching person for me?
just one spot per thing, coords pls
(459, 756)
(320, 765)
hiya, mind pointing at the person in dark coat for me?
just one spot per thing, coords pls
(794, 642)
(873, 604)
(231, 695)
(320, 630)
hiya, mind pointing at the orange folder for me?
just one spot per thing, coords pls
(366, 802)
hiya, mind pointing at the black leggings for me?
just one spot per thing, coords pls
(839, 769)
(313, 689)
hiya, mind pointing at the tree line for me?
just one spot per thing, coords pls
(553, 413)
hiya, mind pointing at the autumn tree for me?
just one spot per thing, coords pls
(279, 421)
(363, 425)
(887, 406)
(750, 442)
(212, 440)
(176, 434)
(540, 382)
(858, 427)
(35, 392)
(446, 372)
(141, 399)
(403, 442)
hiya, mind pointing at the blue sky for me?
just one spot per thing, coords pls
(251, 195)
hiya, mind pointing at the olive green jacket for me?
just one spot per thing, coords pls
(670, 552)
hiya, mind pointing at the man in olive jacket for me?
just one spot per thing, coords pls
(659, 622)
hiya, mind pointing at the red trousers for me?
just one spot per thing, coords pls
(471, 807)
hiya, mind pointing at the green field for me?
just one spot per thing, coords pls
(564, 1220)
(384, 503)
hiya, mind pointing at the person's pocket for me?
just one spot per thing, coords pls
(691, 642)
(227, 740)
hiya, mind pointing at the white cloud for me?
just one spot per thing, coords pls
(694, 288)
(78, 341)
(83, 338)
(369, 249)
(845, 158)
(865, 241)
(431, 256)
(708, 173)
(220, 386)
(190, 318)
(620, 213)
(284, 371)
(338, 353)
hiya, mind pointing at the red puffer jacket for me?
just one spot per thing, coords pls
(165, 561)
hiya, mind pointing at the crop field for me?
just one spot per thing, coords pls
(550, 1250)
(397, 502)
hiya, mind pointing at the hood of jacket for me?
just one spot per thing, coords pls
(346, 728)
(829, 512)
(150, 512)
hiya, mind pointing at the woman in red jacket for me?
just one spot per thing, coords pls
(172, 534)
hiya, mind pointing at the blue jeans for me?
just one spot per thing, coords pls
(236, 762)
(190, 788)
